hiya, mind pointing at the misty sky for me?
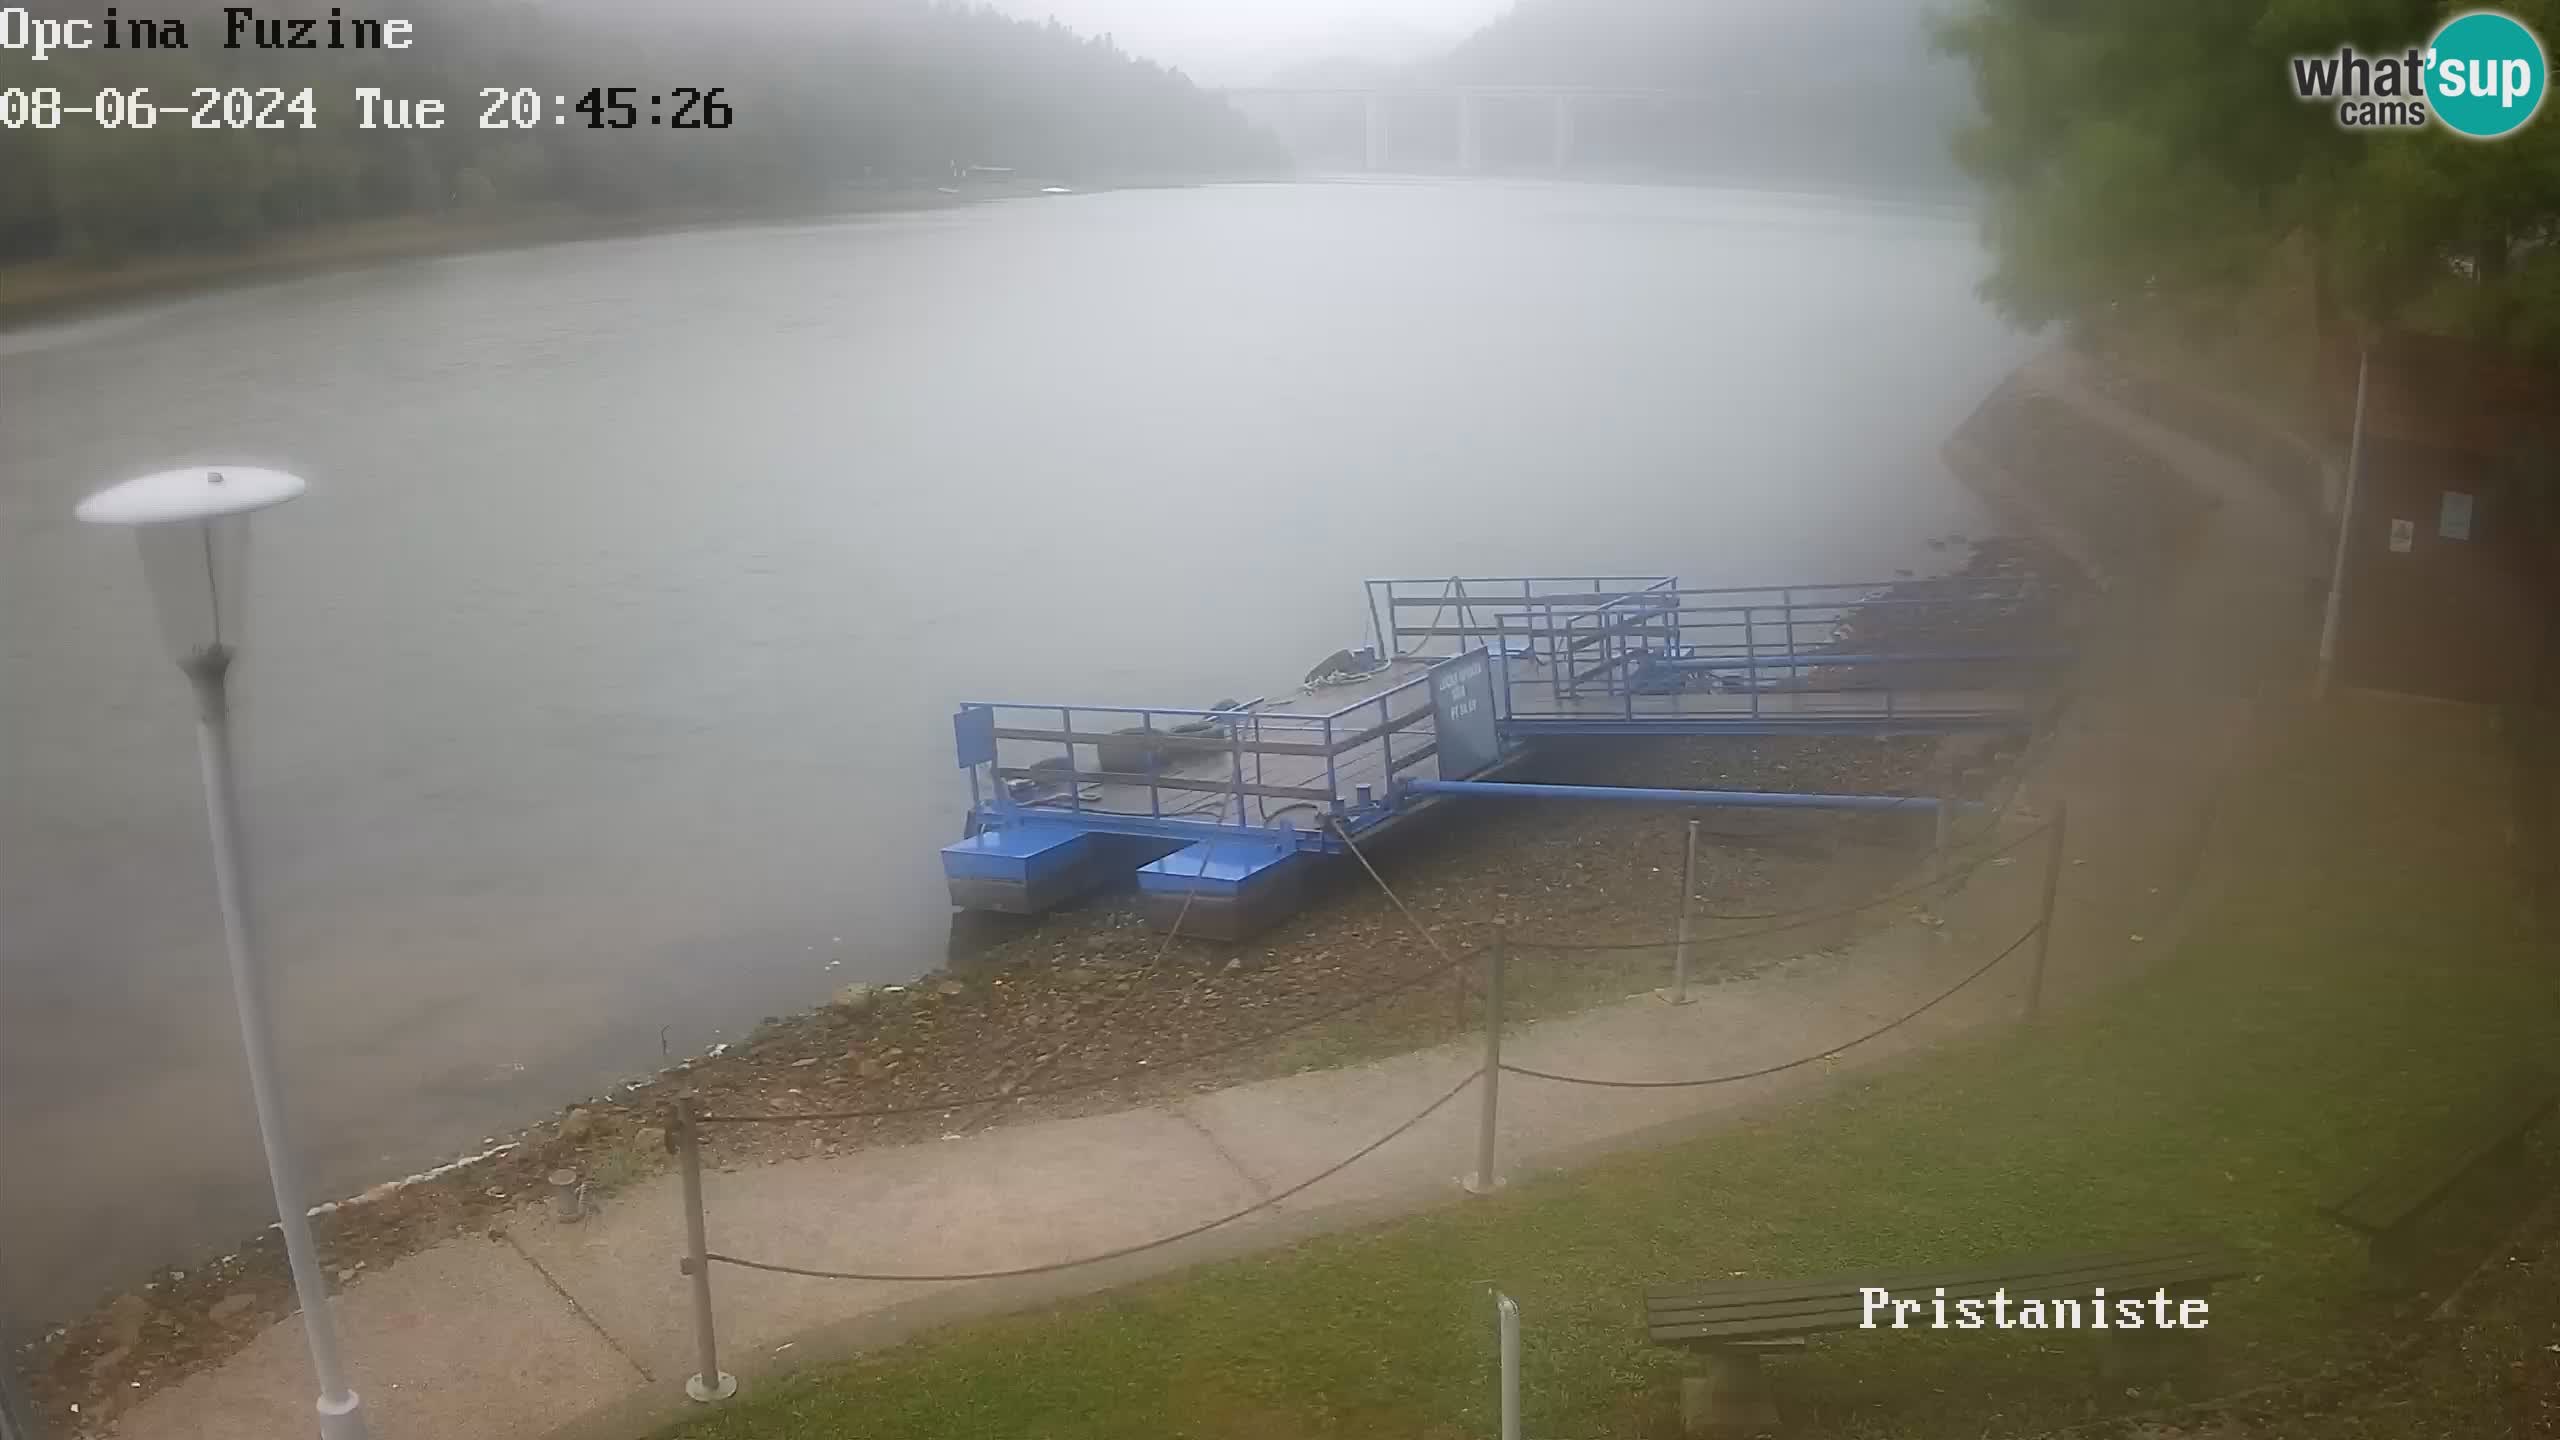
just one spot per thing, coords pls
(1227, 41)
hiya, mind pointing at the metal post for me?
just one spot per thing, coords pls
(1155, 767)
(1235, 739)
(1621, 672)
(2332, 614)
(2044, 913)
(1942, 842)
(341, 1411)
(1483, 1181)
(1075, 781)
(1751, 648)
(17, 1417)
(1508, 1311)
(1787, 621)
(710, 1382)
(568, 1196)
(1688, 906)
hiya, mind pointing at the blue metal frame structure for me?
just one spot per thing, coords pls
(1339, 765)
(1570, 655)
(1477, 597)
(1763, 660)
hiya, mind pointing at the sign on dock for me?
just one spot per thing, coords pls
(1463, 715)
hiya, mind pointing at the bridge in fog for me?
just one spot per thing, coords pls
(1547, 119)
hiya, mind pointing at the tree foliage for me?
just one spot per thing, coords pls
(879, 92)
(2141, 153)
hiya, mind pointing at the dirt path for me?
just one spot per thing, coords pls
(2197, 643)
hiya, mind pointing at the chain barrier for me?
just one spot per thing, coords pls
(1994, 810)
(1809, 917)
(1017, 1272)
(1888, 1027)
(685, 1134)
(1448, 963)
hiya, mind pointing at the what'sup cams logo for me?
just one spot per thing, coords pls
(2482, 75)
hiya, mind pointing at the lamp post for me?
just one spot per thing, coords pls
(193, 527)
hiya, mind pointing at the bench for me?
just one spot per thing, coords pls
(2387, 1207)
(1735, 1322)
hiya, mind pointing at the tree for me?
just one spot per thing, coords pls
(2138, 155)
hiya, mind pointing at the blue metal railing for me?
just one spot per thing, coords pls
(1170, 770)
(1703, 799)
(1806, 656)
(1476, 599)
(1591, 654)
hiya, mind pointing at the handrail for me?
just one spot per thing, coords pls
(1309, 716)
(1516, 579)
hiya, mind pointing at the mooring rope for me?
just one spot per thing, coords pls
(1406, 910)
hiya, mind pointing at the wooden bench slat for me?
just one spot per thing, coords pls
(2021, 1268)
(2122, 1283)
(2415, 1181)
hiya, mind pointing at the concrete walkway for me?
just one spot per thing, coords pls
(587, 1328)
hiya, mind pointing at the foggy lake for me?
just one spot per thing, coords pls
(598, 697)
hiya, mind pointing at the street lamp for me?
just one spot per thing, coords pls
(193, 525)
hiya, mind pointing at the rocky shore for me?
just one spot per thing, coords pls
(1089, 1009)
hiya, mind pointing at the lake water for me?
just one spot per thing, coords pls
(598, 695)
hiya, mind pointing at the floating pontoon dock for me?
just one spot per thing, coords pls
(1216, 808)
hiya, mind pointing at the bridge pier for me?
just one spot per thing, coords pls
(1470, 133)
(1468, 110)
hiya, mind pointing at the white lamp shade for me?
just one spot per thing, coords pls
(194, 529)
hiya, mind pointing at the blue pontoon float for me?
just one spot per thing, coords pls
(1217, 810)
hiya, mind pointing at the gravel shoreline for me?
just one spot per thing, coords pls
(1092, 999)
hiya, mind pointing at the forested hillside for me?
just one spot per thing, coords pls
(880, 92)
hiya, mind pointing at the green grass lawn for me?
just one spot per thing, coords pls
(2367, 971)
